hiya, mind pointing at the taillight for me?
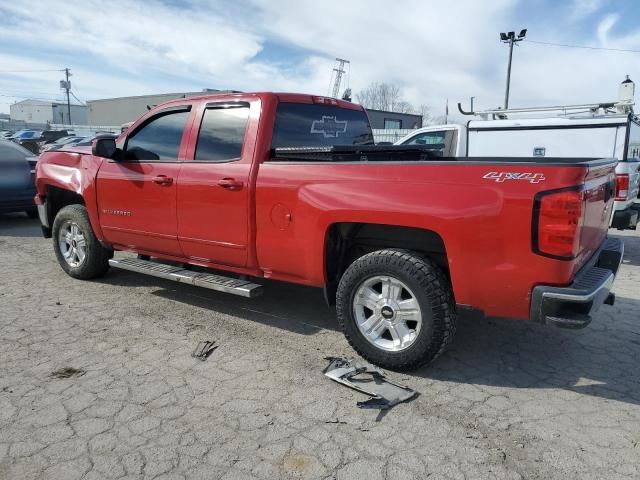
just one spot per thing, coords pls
(557, 223)
(622, 186)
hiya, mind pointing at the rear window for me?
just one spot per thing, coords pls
(313, 125)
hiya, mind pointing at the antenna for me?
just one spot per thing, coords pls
(339, 70)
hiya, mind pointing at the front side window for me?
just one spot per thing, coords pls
(158, 139)
(222, 134)
(428, 138)
(443, 141)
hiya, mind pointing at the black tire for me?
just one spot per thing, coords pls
(32, 212)
(430, 287)
(96, 260)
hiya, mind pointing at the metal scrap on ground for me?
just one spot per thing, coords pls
(204, 349)
(366, 378)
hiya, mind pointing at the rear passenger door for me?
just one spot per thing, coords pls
(214, 188)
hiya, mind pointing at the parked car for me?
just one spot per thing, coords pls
(51, 136)
(88, 141)
(64, 141)
(289, 187)
(17, 175)
(611, 135)
(28, 139)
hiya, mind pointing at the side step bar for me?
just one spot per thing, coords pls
(199, 279)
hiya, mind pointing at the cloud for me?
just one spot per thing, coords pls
(433, 50)
(584, 8)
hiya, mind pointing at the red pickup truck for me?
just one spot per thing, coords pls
(290, 187)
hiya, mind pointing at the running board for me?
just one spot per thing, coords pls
(199, 279)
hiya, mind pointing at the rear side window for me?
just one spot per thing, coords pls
(314, 125)
(222, 134)
(633, 148)
(159, 139)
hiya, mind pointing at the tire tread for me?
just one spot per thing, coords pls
(434, 283)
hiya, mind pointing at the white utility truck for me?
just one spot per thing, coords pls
(596, 130)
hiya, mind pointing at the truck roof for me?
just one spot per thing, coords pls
(281, 96)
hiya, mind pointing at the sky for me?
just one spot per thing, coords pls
(433, 50)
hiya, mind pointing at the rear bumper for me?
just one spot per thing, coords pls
(572, 306)
(626, 219)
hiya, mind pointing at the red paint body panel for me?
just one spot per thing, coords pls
(276, 224)
(150, 211)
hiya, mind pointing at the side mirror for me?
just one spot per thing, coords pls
(104, 147)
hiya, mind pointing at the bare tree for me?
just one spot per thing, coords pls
(425, 112)
(388, 96)
(382, 96)
(403, 107)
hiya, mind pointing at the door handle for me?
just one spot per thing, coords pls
(162, 180)
(231, 183)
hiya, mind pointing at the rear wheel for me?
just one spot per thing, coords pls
(78, 251)
(396, 308)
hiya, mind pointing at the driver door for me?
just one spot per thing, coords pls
(137, 195)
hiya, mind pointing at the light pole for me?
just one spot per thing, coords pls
(510, 38)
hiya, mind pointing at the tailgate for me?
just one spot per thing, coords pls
(599, 192)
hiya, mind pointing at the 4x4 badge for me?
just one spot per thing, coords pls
(504, 176)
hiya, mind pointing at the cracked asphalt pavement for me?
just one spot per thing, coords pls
(97, 381)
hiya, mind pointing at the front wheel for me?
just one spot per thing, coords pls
(78, 251)
(396, 309)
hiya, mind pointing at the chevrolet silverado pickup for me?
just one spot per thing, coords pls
(221, 191)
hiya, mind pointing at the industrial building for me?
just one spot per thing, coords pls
(116, 111)
(44, 112)
(381, 119)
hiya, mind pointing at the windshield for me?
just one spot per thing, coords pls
(315, 125)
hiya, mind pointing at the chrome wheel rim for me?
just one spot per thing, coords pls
(72, 244)
(387, 313)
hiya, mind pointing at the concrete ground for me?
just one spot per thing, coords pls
(97, 381)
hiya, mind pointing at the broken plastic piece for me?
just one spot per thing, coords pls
(204, 349)
(366, 378)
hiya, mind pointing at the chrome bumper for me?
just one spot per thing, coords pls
(572, 306)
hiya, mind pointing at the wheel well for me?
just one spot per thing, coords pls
(346, 242)
(57, 199)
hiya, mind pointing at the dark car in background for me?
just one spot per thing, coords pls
(28, 139)
(62, 142)
(17, 174)
(51, 136)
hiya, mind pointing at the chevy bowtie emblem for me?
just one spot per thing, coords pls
(329, 126)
